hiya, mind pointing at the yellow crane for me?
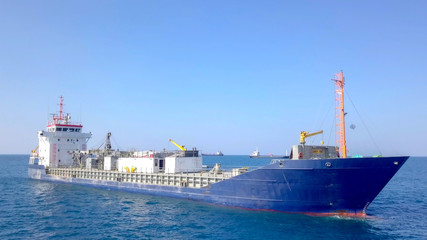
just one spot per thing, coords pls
(304, 135)
(182, 147)
(35, 149)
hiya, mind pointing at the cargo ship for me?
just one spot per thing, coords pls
(218, 154)
(256, 154)
(315, 180)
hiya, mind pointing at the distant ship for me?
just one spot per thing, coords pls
(315, 180)
(219, 153)
(256, 154)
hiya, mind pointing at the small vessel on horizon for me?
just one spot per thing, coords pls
(219, 153)
(256, 154)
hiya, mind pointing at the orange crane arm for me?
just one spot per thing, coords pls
(304, 135)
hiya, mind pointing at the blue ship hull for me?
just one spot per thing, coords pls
(319, 187)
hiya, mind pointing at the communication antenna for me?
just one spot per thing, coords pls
(61, 107)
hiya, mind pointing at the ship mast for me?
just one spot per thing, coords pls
(340, 114)
(57, 119)
(61, 105)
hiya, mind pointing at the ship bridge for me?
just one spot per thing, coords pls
(60, 139)
(61, 122)
(64, 128)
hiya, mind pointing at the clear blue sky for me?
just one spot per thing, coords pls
(217, 75)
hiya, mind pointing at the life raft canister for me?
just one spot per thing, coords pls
(300, 155)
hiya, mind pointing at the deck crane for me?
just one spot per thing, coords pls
(35, 149)
(182, 147)
(305, 134)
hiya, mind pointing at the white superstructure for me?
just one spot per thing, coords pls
(60, 139)
(176, 164)
(255, 153)
(143, 161)
(64, 145)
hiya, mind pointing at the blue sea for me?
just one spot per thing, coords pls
(31, 209)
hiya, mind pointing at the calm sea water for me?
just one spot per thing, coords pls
(31, 209)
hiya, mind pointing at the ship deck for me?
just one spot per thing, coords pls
(192, 180)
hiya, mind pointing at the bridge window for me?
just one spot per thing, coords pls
(71, 129)
(77, 129)
(58, 129)
(65, 129)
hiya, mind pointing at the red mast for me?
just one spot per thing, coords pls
(340, 114)
(60, 117)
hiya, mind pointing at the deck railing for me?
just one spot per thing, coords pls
(193, 180)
